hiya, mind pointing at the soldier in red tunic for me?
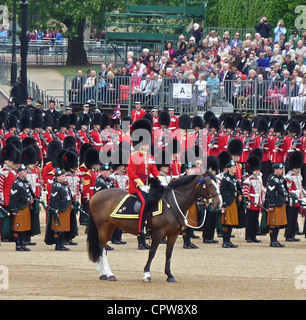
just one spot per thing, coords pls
(141, 166)
(278, 147)
(47, 134)
(174, 148)
(37, 125)
(173, 126)
(82, 136)
(94, 134)
(235, 148)
(214, 139)
(138, 112)
(164, 134)
(25, 127)
(63, 124)
(11, 125)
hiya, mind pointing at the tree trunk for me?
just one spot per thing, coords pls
(76, 52)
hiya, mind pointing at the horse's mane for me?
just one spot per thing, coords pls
(181, 181)
(211, 175)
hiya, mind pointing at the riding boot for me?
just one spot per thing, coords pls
(142, 245)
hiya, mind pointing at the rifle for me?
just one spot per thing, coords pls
(215, 139)
(296, 141)
(78, 137)
(280, 142)
(264, 141)
(249, 140)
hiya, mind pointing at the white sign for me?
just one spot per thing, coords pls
(182, 90)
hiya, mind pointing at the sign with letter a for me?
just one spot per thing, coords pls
(182, 90)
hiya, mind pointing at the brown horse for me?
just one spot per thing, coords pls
(177, 198)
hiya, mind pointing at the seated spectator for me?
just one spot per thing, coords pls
(90, 86)
(294, 38)
(32, 36)
(182, 39)
(236, 42)
(3, 35)
(301, 49)
(276, 58)
(212, 37)
(130, 65)
(181, 52)
(300, 63)
(192, 44)
(145, 56)
(222, 52)
(289, 63)
(245, 98)
(280, 29)
(250, 64)
(170, 49)
(263, 61)
(237, 91)
(288, 51)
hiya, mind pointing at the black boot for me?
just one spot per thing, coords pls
(22, 242)
(18, 244)
(59, 244)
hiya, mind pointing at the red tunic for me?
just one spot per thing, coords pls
(96, 139)
(138, 114)
(7, 177)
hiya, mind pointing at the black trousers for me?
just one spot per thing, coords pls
(210, 224)
(292, 216)
(251, 224)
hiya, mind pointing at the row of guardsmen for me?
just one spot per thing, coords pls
(73, 150)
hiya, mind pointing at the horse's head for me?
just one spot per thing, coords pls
(208, 190)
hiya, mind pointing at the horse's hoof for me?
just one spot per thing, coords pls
(103, 277)
(112, 278)
(171, 279)
(147, 279)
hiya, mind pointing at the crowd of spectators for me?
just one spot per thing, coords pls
(216, 64)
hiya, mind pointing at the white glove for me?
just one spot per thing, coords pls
(164, 183)
(145, 189)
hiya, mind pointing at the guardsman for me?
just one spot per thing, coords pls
(94, 134)
(235, 147)
(92, 163)
(47, 134)
(109, 136)
(25, 127)
(61, 206)
(247, 140)
(296, 193)
(254, 192)
(141, 166)
(83, 134)
(63, 124)
(7, 177)
(278, 146)
(293, 140)
(213, 139)
(276, 198)
(73, 123)
(11, 125)
(164, 134)
(231, 193)
(174, 148)
(155, 116)
(37, 125)
(229, 125)
(303, 149)
(173, 126)
(21, 198)
(199, 137)
(138, 112)
(263, 142)
(182, 134)
(206, 118)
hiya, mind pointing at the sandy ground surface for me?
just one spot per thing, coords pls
(252, 271)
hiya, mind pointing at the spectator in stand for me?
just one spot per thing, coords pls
(196, 33)
(103, 72)
(300, 63)
(3, 35)
(130, 65)
(201, 83)
(145, 56)
(289, 63)
(263, 27)
(294, 38)
(212, 36)
(135, 83)
(40, 36)
(90, 86)
(170, 50)
(276, 58)
(32, 36)
(280, 29)
(212, 88)
(59, 38)
(263, 61)
(236, 42)
(288, 51)
(182, 39)
(222, 52)
(301, 49)
(250, 64)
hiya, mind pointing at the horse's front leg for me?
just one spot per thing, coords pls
(170, 244)
(156, 238)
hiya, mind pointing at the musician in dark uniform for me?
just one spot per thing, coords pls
(22, 196)
(276, 198)
(60, 203)
(231, 193)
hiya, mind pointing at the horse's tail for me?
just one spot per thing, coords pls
(93, 247)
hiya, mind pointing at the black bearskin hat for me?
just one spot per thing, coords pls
(224, 158)
(12, 122)
(184, 121)
(25, 123)
(207, 116)
(83, 149)
(255, 122)
(294, 126)
(214, 123)
(212, 163)
(256, 152)
(238, 121)
(197, 121)
(37, 121)
(73, 119)
(253, 163)
(70, 161)
(262, 125)
(222, 118)
(69, 142)
(235, 147)
(53, 147)
(295, 160)
(246, 125)
(28, 155)
(91, 157)
(164, 118)
(48, 121)
(149, 117)
(230, 123)
(279, 126)
(16, 141)
(63, 121)
(28, 141)
(105, 120)
(57, 160)
(8, 152)
(84, 120)
(137, 137)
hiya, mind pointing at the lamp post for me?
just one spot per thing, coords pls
(24, 50)
(14, 62)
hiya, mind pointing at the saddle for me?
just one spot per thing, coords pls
(130, 205)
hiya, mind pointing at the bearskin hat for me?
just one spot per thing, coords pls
(278, 126)
(184, 121)
(83, 149)
(137, 138)
(164, 118)
(28, 141)
(238, 121)
(272, 121)
(84, 120)
(174, 146)
(256, 152)
(253, 163)
(235, 147)
(255, 122)
(53, 147)
(48, 121)
(104, 121)
(212, 163)
(37, 121)
(224, 158)
(69, 142)
(63, 121)
(197, 121)
(70, 161)
(28, 155)
(12, 122)
(294, 126)
(17, 159)
(262, 125)
(73, 119)
(222, 118)
(214, 123)
(149, 117)
(57, 161)
(91, 157)
(295, 160)
(230, 123)
(16, 141)
(8, 152)
(207, 116)
(25, 123)
(246, 125)
(127, 119)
